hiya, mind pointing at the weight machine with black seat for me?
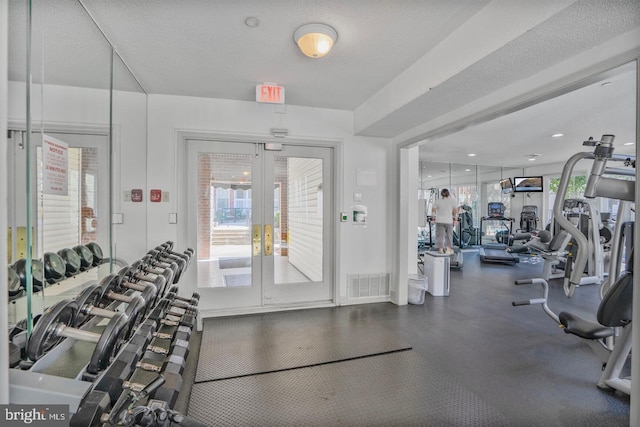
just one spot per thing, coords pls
(611, 336)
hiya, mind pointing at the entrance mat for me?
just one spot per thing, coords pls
(233, 280)
(248, 345)
(397, 389)
(234, 262)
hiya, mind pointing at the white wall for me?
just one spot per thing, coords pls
(358, 250)
(130, 171)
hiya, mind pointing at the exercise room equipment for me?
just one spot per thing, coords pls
(496, 252)
(610, 336)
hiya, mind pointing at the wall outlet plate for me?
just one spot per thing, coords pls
(344, 217)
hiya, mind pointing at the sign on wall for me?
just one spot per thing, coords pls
(55, 164)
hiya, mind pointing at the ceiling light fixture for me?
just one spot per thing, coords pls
(629, 143)
(471, 155)
(557, 135)
(252, 22)
(315, 40)
(531, 157)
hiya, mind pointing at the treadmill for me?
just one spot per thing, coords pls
(497, 252)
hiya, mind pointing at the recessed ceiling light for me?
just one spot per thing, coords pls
(605, 84)
(629, 143)
(471, 155)
(252, 22)
(532, 159)
(557, 135)
(428, 176)
(467, 170)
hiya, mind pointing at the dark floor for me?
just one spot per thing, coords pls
(482, 361)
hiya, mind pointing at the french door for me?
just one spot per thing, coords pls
(261, 214)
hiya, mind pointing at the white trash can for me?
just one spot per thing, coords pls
(417, 287)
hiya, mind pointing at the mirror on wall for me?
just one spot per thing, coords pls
(60, 179)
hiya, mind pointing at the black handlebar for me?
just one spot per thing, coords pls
(524, 282)
(517, 303)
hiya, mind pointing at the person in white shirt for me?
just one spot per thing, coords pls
(445, 211)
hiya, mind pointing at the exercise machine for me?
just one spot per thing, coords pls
(497, 252)
(611, 336)
(598, 185)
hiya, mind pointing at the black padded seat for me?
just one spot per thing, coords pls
(615, 308)
(614, 311)
(578, 326)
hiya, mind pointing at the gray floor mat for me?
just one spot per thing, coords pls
(385, 390)
(247, 345)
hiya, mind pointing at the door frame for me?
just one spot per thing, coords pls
(183, 234)
(105, 200)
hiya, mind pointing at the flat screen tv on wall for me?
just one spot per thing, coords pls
(527, 184)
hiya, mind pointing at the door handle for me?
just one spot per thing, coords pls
(268, 240)
(256, 241)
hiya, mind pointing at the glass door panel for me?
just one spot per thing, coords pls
(260, 223)
(223, 208)
(299, 271)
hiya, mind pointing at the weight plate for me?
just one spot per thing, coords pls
(54, 267)
(44, 336)
(90, 296)
(148, 295)
(110, 342)
(96, 251)
(124, 273)
(167, 273)
(13, 282)
(110, 283)
(134, 314)
(605, 235)
(71, 260)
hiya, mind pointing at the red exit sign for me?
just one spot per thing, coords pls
(270, 93)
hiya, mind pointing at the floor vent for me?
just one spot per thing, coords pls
(368, 285)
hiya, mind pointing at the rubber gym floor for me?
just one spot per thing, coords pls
(467, 359)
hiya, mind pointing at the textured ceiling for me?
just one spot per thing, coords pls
(410, 62)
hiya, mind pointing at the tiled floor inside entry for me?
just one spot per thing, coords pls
(235, 270)
(474, 361)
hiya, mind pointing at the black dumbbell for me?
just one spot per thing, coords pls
(163, 258)
(113, 290)
(89, 305)
(13, 282)
(129, 280)
(122, 367)
(151, 262)
(174, 289)
(54, 267)
(37, 273)
(147, 267)
(132, 275)
(180, 302)
(86, 257)
(71, 260)
(56, 323)
(163, 316)
(187, 255)
(96, 251)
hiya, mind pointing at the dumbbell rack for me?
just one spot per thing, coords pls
(39, 382)
(36, 385)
